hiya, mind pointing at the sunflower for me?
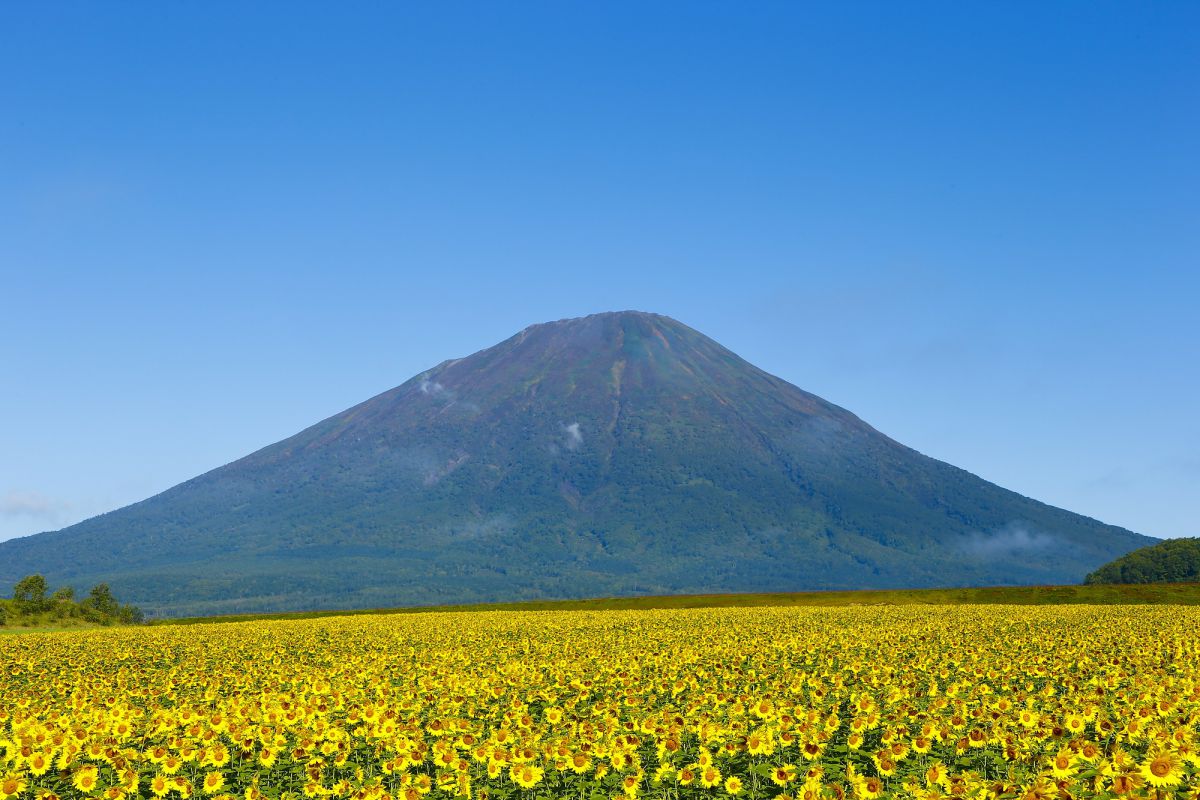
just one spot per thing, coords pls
(1063, 764)
(1125, 783)
(214, 782)
(759, 744)
(870, 787)
(937, 775)
(85, 779)
(181, 785)
(812, 750)
(1039, 789)
(159, 785)
(668, 747)
(526, 775)
(218, 755)
(1162, 768)
(733, 785)
(783, 775)
(11, 785)
(38, 764)
(709, 777)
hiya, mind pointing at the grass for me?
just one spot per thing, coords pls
(11, 631)
(45, 623)
(1132, 594)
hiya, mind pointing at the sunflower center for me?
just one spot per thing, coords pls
(1160, 767)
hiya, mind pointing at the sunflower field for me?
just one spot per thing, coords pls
(787, 703)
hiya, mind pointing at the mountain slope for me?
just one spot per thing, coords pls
(613, 454)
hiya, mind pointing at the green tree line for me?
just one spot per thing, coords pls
(32, 602)
(1171, 561)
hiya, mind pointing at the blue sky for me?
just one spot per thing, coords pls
(973, 224)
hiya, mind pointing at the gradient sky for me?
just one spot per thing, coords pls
(976, 225)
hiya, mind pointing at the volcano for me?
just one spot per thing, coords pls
(615, 454)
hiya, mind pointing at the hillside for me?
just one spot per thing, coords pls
(615, 454)
(1171, 561)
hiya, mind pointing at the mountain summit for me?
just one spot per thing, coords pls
(619, 453)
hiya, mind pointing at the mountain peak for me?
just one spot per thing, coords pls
(601, 316)
(611, 327)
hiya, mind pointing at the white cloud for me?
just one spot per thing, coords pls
(1013, 539)
(574, 437)
(435, 389)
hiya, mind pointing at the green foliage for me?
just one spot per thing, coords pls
(29, 594)
(30, 607)
(1171, 561)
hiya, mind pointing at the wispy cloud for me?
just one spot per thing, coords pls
(1015, 538)
(446, 396)
(436, 390)
(23, 503)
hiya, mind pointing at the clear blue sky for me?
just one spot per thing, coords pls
(976, 225)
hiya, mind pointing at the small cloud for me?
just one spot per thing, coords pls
(437, 390)
(448, 397)
(1013, 539)
(574, 437)
(18, 503)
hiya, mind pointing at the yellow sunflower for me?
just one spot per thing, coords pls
(1162, 768)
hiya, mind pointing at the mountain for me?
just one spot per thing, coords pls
(620, 453)
(1170, 561)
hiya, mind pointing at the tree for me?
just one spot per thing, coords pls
(131, 615)
(101, 599)
(30, 594)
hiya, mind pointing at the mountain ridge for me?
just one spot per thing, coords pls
(616, 453)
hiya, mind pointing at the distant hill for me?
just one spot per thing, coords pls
(1170, 561)
(615, 454)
